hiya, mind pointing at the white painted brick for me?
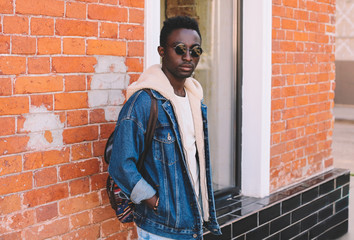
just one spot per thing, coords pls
(98, 98)
(110, 64)
(37, 122)
(38, 142)
(109, 81)
(111, 113)
(115, 97)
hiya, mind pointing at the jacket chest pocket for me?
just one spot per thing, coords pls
(165, 145)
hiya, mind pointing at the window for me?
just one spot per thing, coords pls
(217, 72)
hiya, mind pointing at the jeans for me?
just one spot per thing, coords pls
(144, 235)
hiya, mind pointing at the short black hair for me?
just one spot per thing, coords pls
(177, 22)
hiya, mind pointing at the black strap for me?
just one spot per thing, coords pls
(149, 130)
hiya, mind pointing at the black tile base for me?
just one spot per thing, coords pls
(316, 208)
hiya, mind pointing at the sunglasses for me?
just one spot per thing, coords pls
(195, 51)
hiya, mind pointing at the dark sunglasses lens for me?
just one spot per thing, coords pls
(180, 49)
(196, 51)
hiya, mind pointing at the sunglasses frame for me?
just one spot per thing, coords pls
(181, 49)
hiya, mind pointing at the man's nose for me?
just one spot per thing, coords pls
(187, 56)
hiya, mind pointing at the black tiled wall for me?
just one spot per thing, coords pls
(314, 209)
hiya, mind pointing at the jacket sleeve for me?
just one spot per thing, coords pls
(127, 146)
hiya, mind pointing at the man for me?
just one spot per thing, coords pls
(173, 193)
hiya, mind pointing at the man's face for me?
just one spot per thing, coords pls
(177, 66)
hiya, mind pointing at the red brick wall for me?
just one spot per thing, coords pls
(302, 89)
(55, 58)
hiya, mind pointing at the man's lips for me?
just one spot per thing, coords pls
(186, 67)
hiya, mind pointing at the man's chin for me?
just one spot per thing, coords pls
(186, 74)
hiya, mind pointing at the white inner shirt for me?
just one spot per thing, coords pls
(188, 135)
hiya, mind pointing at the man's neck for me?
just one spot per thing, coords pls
(177, 84)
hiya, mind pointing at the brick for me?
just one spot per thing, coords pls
(98, 181)
(290, 3)
(108, 30)
(136, 16)
(15, 183)
(132, 3)
(88, 233)
(12, 65)
(104, 196)
(45, 159)
(98, 148)
(106, 47)
(79, 169)
(288, 46)
(79, 186)
(301, 36)
(40, 7)
(108, 13)
(20, 220)
(113, 225)
(10, 165)
(45, 176)
(102, 213)
(75, 83)
(38, 65)
(77, 118)
(13, 144)
(74, 46)
(276, 22)
(277, 127)
(75, 10)
(9, 204)
(23, 45)
(288, 24)
(89, 1)
(75, 135)
(5, 87)
(80, 219)
(9, 122)
(135, 64)
(301, 14)
(15, 25)
(135, 49)
(131, 32)
(47, 212)
(47, 230)
(4, 44)
(48, 46)
(81, 151)
(97, 116)
(42, 26)
(6, 6)
(65, 101)
(24, 85)
(276, 57)
(46, 195)
(73, 64)
(106, 130)
(113, 2)
(42, 100)
(64, 27)
(79, 203)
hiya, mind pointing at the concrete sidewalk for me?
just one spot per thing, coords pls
(343, 153)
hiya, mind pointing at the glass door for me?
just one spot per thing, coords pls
(217, 73)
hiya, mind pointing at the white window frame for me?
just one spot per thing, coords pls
(152, 32)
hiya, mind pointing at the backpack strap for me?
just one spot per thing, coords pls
(149, 130)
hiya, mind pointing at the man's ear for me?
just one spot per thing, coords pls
(161, 51)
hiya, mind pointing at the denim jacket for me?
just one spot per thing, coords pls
(164, 171)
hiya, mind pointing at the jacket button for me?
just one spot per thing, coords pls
(195, 235)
